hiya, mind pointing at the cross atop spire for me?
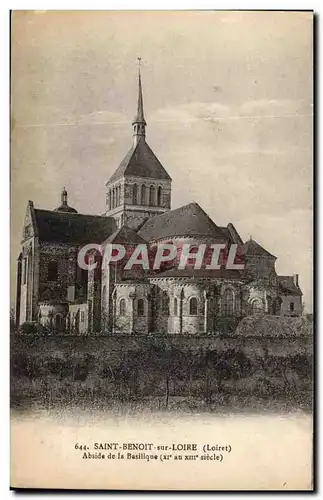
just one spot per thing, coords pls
(139, 122)
(64, 207)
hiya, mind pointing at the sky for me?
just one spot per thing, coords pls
(228, 101)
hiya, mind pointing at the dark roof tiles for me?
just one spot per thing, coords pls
(288, 285)
(189, 220)
(140, 162)
(252, 248)
(125, 235)
(73, 228)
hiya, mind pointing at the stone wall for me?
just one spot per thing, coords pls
(260, 266)
(285, 306)
(126, 311)
(79, 323)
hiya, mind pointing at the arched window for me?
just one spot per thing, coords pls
(152, 195)
(193, 306)
(159, 196)
(165, 304)
(24, 270)
(84, 276)
(119, 195)
(228, 302)
(257, 306)
(59, 323)
(110, 206)
(113, 198)
(135, 194)
(140, 307)
(143, 195)
(175, 307)
(122, 307)
(52, 271)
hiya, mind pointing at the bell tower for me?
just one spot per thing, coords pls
(140, 188)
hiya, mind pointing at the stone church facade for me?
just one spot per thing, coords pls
(53, 290)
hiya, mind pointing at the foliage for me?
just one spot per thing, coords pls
(154, 372)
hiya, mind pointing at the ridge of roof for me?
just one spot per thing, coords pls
(189, 220)
(287, 283)
(124, 235)
(69, 214)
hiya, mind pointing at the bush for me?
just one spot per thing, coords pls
(226, 325)
(28, 327)
(32, 327)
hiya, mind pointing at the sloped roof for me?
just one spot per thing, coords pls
(189, 220)
(68, 227)
(288, 286)
(65, 208)
(231, 234)
(125, 235)
(251, 247)
(140, 161)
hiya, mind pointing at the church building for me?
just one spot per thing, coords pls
(53, 290)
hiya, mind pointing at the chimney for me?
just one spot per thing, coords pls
(295, 279)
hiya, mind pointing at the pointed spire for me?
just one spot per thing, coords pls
(139, 122)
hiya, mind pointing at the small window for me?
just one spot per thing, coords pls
(135, 194)
(152, 196)
(175, 307)
(140, 307)
(143, 195)
(257, 306)
(122, 307)
(84, 276)
(228, 303)
(118, 195)
(193, 306)
(52, 271)
(59, 323)
(159, 196)
(24, 271)
(292, 307)
(165, 304)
